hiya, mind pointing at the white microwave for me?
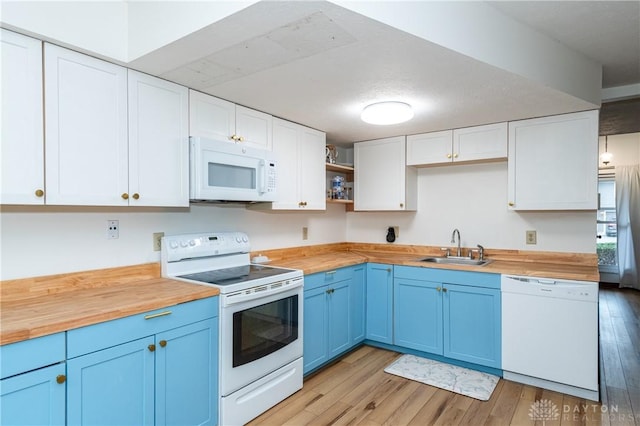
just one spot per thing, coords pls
(228, 171)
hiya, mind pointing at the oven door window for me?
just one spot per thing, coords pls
(264, 329)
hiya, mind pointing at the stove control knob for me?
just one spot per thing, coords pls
(192, 243)
(238, 239)
(173, 244)
(183, 243)
(245, 239)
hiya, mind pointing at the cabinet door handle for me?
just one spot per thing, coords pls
(330, 272)
(401, 205)
(159, 314)
(151, 347)
(61, 378)
(444, 289)
(388, 269)
(136, 196)
(163, 343)
(438, 288)
(455, 155)
(448, 155)
(125, 196)
(511, 204)
(39, 193)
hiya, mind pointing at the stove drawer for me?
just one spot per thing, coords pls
(111, 333)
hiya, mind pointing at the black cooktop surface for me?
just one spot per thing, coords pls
(235, 275)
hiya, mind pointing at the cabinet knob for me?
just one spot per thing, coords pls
(438, 288)
(163, 343)
(136, 196)
(152, 347)
(61, 378)
(388, 269)
(39, 192)
(401, 205)
(455, 155)
(511, 204)
(448, 155)
(444, 289)
(241, 139)
(125, 196)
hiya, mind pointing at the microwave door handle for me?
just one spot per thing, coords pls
(262, 185)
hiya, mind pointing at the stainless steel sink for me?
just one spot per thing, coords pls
(456, 260)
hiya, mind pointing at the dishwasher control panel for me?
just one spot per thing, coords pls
(547, 287)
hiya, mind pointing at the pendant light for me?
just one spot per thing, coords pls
(606, 156)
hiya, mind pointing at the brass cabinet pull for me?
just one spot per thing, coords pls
(159, 314)
(125, 196)
(448, 155)
(152, 347)
(39, 192)
(438, 288)
(455, 155)
(511, 204)
(401, 205)
(163, 343)
(330, 291)
(388, 269)
(330, 272)
(61, 378)
(241, 138)
(444, 289)
(136, 196)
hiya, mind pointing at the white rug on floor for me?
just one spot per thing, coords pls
(467, 382)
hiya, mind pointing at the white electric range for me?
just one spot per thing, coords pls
(261, 319)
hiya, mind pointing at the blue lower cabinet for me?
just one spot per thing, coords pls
(33, 381)
(334, 304)
(187, 375)
(472, 324)
(379, 296)
(418, 315)
(34, 398)
(358, 304)
(169, 377)
(113, 386)
(461, 321)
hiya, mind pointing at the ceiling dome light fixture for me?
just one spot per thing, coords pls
(385, 113)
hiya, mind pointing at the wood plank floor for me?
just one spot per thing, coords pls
(356, 391)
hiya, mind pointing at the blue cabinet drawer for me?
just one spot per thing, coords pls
(28, 355)
(104, 335)
(327, 277)
(476, 279)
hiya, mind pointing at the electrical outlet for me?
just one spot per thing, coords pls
(531, 237)
(157, 241)
(113, 229)
(305, 233)
(396, 229)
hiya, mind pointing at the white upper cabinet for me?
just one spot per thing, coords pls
(382, 179)
(22, 150)
(86, 129)
(470, 144)
(553, 162)
(158, 142)
(300, 156)
(429, 148)
(214, 118)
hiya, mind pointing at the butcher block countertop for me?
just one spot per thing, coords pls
(572, 266)
(35, 307)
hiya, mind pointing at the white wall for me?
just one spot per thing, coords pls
(473, 198)
(49, 240)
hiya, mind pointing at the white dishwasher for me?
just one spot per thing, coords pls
(550, 334)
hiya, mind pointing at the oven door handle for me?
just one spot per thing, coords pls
(242, 296)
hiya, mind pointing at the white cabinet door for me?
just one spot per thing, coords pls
(210, 117)
(301, 168)
(86, 129)
(553, 162)
(429, 148)
(254, 127)
(480, 143)
(22, 150)
(382, 179)
(158, 142)
(217, 119)
(311, 157)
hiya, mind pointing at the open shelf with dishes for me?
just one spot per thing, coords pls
(347, 173)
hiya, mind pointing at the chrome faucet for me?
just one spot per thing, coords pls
(453, 240)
